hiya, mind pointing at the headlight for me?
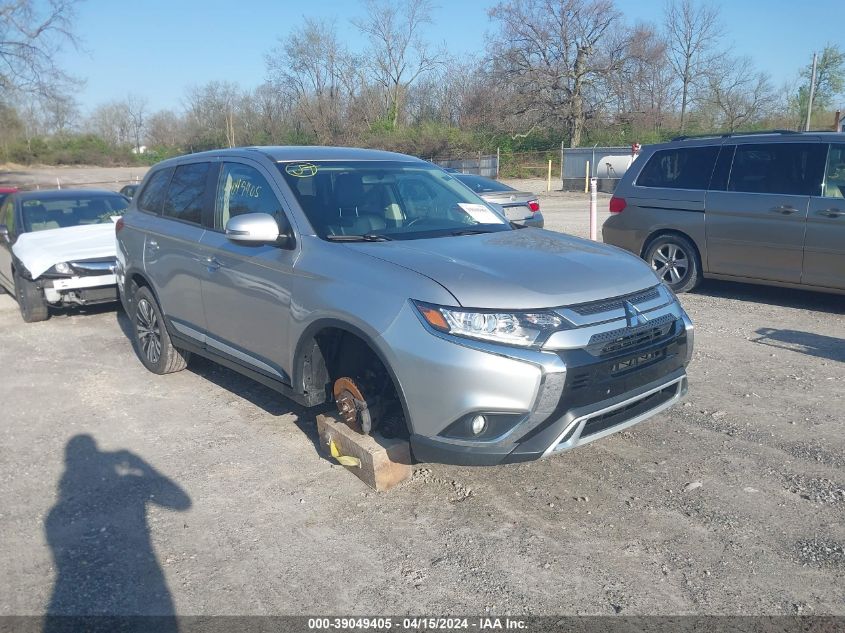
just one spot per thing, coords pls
(513, 328)
(63, 269)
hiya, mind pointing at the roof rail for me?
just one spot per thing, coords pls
(730, 134)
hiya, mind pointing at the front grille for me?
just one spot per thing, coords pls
(627, 338)
(597, 307)
(610, 419)
(100, 266)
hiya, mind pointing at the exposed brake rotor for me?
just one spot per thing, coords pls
(352, 406)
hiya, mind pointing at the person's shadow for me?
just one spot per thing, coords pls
(100, 539)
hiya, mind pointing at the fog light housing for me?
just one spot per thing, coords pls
(478, 424)
(483, 426)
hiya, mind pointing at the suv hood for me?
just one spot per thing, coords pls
(520, 269)
(40, 250)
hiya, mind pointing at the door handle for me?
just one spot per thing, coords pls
(152, 245)
(212, 263)
(831, 213)
(784, 210)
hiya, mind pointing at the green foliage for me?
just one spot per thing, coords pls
(70, 149)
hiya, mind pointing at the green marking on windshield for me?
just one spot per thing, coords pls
(301, 170)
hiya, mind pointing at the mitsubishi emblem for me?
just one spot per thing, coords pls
(632, 314)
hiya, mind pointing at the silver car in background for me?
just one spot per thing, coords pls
(522, 207)
(378, 282)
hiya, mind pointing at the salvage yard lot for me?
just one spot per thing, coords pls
(732, 502)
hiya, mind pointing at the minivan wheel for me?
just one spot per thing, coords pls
(675, 260)
(31, 300)
(152, 341)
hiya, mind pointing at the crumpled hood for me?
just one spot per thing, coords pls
(41, 250)
(520, 269)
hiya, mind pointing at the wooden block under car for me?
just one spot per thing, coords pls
(384, 462)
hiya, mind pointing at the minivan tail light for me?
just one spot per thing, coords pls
(617, 205)
(118, 226)
(534, 205)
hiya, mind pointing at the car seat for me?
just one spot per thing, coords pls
(37, 218)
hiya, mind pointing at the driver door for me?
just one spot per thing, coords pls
(246, 289)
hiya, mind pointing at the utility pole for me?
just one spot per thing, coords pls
(812, 94)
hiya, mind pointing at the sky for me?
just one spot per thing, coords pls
(158, 48)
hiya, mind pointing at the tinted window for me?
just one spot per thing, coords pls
(242, 189)
(7, 216)
(3, 196)
(785, 168)
(185, 193)
(719, 181)
(152, 197)
(480, 184)
(834, 180)
(682, 168)
(41, 214)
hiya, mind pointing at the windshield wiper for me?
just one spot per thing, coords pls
(366, 237)
(470, 232)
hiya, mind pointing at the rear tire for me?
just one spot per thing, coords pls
(152, 341)
(31, 300)
(675, 260)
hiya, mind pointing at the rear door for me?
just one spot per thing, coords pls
(246, 287)
(755, 226)
(824, 244)
(172, 253)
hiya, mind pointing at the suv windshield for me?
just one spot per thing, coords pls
(386, 200)
(57, 213)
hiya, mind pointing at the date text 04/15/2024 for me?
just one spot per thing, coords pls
(417, 624)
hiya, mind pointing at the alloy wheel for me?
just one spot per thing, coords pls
(671, 263)
(149, 331)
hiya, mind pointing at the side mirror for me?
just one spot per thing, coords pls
(253, 228)
(4, 232)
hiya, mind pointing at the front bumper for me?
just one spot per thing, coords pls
(82, 290)
(560, 398)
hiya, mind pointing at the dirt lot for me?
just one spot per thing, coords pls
(731, 503)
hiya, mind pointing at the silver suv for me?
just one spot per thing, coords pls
(765, 207)
(381, 283)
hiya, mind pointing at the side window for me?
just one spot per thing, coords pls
(242, 189)
(185, 194)
(7, 215)
(682, 168)
(834, 180)
(785, 168)
(722, 170)
(152, 197)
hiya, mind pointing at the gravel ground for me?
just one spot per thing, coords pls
(206, 493)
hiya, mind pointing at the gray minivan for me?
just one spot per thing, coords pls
(379, 282)
(756, 207)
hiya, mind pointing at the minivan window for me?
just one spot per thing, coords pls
(722, 170)
(834, 180)
(152, 197)
(680, 168)
(242, 189)
(387, 200)
(783, 168)
(185, 194)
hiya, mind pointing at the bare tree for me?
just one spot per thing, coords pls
(399, 54)
(136, 110)
(692, 32)
(165, 129)
(31, 35)
(553, 52)
(112, 123)
(739, 93)
(313, 68)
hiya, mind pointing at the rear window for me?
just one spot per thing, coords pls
(783, 168)
(184, 199)
(681, 168)
(480, 184)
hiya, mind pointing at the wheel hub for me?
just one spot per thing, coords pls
(352, 406)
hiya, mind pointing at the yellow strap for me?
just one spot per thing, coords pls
(344, 460)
